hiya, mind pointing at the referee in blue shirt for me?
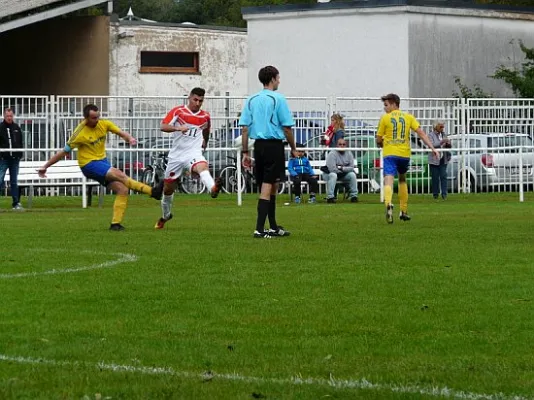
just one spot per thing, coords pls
(266, 119)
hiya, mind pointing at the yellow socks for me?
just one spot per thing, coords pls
(388, 194)
(119, 207)
(138, 186)
(403, 196)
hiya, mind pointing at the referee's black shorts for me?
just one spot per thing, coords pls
(269, 160)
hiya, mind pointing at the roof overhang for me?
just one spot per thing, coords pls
(51, 13)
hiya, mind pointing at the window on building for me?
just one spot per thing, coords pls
(169, 62)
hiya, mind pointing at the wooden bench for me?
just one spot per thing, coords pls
(316, 167)
(65, 173)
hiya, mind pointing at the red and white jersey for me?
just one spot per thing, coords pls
(187, 143)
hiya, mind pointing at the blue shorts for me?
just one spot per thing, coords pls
(394, 165)
(97, 170)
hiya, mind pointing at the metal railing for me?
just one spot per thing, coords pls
(48, 121)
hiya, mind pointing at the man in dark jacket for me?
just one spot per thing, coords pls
(10, 138)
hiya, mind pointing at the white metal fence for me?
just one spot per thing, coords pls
(492, 138)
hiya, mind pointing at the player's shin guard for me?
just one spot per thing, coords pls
(388, 194)
(138, 186)
(207, 179)
(403, 196)
(166, 205)
(119, 207)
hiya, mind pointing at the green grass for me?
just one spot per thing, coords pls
(445, 300)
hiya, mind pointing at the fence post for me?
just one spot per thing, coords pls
(331, 109)
(227, 123)
(521, 191)
(464, 109)
(239, 174)
(51, 122)
(131, 132)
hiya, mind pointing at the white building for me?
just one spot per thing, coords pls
(152, 59)
(369, 48)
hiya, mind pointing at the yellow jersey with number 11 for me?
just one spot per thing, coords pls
(394, 128)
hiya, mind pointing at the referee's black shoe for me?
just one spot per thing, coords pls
(261, 235)
(279, 231)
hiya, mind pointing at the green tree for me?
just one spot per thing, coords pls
(467, 93)
(521, 79)
(202, 12)
(519, 3)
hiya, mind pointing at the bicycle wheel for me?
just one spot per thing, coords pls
(148, 176)
(281, 187)
(230, 180)
(192, 185)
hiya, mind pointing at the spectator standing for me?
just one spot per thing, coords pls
(10, 138)
(438, 165)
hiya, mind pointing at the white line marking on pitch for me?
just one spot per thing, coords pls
(123, 258)
(332, 382)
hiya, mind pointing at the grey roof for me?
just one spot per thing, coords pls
(178, 25)
(12, 7)
(465, 4)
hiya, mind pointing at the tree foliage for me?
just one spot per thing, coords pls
(202, 12)
(467, 93)
(520, 79)
(519, 3)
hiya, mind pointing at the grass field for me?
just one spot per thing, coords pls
(346, 307)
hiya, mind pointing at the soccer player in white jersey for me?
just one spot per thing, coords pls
(190, 127)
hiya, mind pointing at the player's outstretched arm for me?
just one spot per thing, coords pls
(127, 138)
(424, 137)
(54, 159)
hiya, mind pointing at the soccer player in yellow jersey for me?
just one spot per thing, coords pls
(89, 138)
(394, 136)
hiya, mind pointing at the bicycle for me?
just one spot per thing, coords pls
(229, 178)
(153, 174)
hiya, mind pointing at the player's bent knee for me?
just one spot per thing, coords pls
(118, 188)
(200, 167)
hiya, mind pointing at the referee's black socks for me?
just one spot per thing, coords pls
(272, 213)
(264, 207)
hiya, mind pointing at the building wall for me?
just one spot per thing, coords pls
(471, 47)
(222, 60)
(414, 51)
(56, 57)
(338, 52)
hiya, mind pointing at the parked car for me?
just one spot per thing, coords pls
(368, 161)
(493, 160)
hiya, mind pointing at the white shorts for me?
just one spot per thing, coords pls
(177, 168)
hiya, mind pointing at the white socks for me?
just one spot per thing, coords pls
(166, 205)
(205, 176)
